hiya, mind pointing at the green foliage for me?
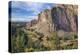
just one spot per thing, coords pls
(74, 36)
(29, 49)
(55, 41)
(28, 40)
(69, 41)
(18, 41)
(70, 46)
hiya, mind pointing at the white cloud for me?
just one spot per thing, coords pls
(27, 18)
(36, 8)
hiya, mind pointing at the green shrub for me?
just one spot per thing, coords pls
(55, 41)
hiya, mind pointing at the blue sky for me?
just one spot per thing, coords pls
(26, 11)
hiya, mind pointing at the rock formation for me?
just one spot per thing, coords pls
(45, 24)
(65, 17)
(61, 17)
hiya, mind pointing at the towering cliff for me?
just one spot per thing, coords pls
(45, 24)
(61, 17)
(65, 17)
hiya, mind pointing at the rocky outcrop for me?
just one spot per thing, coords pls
(45, 24)
(65, 17)
(61, 17)
(31, 23)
